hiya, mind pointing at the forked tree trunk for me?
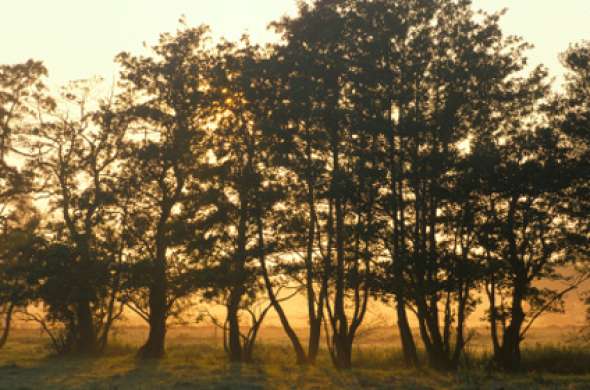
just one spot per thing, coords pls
(342, 355)
(510, 358)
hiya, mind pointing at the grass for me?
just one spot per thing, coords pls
(25, 363)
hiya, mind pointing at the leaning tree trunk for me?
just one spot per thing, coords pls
(297, 347)
(406, 337)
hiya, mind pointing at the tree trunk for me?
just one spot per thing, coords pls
(158, 308)
(233, 307)
(7, 322)
(315, 332)
(406, 337)
(342, 358)
(342, 354)
(510, 358)
(437, 356)
(299, 352)
(86, 342)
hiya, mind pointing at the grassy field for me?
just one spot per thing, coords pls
(198, 362)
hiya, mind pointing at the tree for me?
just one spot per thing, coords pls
(574, 121)
(247, 187)
(22, 92)
(19, 241)
(164, 97)
(333, 163)
(440, 73)
(525, 235)
(77, 152)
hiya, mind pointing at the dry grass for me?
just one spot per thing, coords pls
(197, 362)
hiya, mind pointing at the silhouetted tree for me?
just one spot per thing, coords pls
(574, 121)
(22, 92)
(165, 99)
(19, 241)
(77, 153)
(441, 69)
(336, 167)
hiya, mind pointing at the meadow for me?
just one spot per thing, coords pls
(195, 360)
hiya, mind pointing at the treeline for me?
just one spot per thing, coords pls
(393, 150)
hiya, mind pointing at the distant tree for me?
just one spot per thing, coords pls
(252, 307)
(164, 97)
(297, 147)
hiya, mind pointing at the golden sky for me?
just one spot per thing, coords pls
(79, 38)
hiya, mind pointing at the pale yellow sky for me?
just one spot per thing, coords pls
(79, 38)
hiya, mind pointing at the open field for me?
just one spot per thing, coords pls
(196, 361)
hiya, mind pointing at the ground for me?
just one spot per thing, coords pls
(199, 363)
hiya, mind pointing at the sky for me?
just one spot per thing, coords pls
(78, 39)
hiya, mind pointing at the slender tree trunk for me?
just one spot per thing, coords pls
(461, 318)
(342, 352)
(103, 339)
(315, 328)
(236, 353)
(315, 318)
(437, 356)
(315, 332)
(510, 350)
(299, 352)
(493, 320)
